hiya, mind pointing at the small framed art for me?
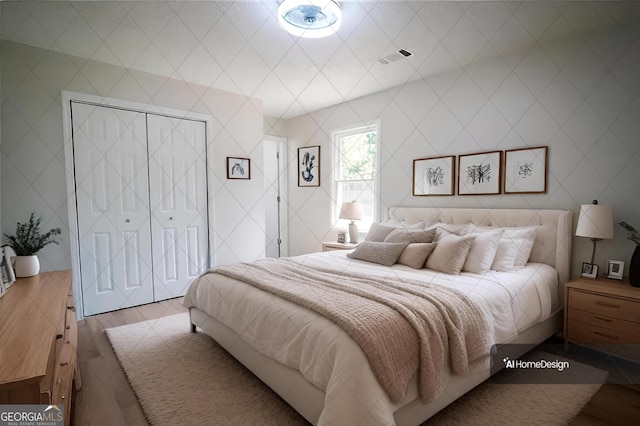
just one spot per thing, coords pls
(434, 176)
(480, 173)
(309, 166)
(8, 275)
(614, 269)
(589, 270)
(525, 170)
(238, 168)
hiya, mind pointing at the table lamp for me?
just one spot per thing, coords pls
(352, 211)
(595, 222)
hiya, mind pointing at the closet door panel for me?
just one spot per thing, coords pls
(178, 196)
(111, 176)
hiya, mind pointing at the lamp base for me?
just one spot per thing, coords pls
(353, 233)
(634, 268)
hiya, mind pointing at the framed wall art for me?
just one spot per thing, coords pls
(525, 170)
(480, 173)
(309, 166)
(434, 176)
(238, 168)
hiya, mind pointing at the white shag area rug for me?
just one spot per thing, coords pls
(184, 378)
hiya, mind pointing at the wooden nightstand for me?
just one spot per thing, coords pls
(603, 314)
(332, 245)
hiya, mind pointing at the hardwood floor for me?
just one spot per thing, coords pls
(107, 399)
(618, 401)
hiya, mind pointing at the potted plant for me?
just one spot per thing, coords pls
(26, 243)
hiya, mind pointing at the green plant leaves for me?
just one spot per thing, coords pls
(28, 240)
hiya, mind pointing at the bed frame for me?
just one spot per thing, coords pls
(552, 246)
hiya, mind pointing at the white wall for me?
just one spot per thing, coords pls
(579, 95)
(33, 168)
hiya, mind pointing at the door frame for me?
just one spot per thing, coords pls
(67, 131)
(283, 146)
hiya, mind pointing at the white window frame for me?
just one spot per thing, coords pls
(363, 226)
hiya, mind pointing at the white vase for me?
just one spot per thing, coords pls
(26, 266)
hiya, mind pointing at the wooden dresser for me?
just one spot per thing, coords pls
(603, 314)
(39, 341)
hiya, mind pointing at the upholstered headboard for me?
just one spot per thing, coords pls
(553, 239)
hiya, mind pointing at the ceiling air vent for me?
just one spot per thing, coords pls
(396, 56)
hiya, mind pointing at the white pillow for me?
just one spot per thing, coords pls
(514, 248)
(483, 251)
(522, 239)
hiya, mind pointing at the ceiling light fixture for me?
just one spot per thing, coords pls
(310, 18)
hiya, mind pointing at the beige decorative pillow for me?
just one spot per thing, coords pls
(404, 225)
(450, 227)
(415, 255)
(378, 252)
(450, 254)
(410, 236)
(378, 232)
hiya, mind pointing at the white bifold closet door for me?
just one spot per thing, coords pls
(178, 188)
(141, 205)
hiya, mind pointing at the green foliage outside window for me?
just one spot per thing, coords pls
(358, 156)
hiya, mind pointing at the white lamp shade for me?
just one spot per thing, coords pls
(595, 221)
(352, 211)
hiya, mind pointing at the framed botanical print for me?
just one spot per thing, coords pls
(309, 166)
(434, 176)
(480, 173)
(525, 170)
(238, 168)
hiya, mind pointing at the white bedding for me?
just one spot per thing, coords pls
(330, 359)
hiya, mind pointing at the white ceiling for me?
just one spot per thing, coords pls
(238, 46)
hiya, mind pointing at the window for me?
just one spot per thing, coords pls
(355, 170)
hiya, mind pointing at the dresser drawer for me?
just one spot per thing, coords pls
(610, 307)
(588, 318)
(63, 379)
(589, 333)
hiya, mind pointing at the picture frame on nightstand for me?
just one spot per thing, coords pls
(615, 269)
(8, 275)
(589, 270)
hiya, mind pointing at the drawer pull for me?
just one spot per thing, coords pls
(596, 317)
(608, 305)
(605, 335)
(58, 336)
(64, 364)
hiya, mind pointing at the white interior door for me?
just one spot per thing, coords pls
(111, 178)
(178, 196)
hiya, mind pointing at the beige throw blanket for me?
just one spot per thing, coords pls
(401, 326)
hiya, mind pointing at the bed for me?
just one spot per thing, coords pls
(320, 369)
